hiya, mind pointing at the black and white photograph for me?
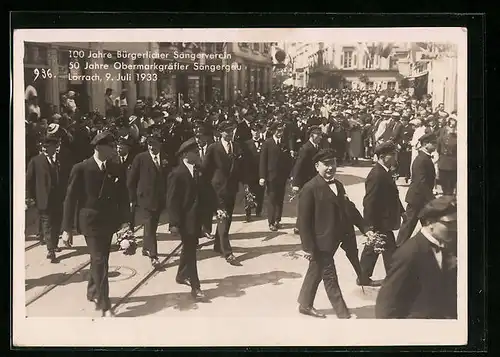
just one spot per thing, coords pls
(240, 187)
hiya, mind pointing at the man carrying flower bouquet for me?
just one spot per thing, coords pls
(327, 220)
(382, 211)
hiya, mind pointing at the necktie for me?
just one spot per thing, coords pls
(229, 149)
(195, 174)
(103, 166)
(157, 162)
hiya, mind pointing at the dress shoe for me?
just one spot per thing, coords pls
(208, 235)
(231, 259)
(52, 257)
(278, 225)
(311, 311)
(108, 313)
(248, 219)
(295, 231)
(367, 282)
(183, 281)
(198, 294)
(155, 262)
(58, 249)
(273, 228)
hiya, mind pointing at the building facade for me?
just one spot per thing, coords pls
(226, 69)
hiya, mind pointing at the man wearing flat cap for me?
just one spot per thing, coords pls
(184, 206)
(251, 155)
(223, 167)
(422, 281)
(46, 180)
(96, 189)
(274, 170)
(382, 211)
(304, 168)
(326, 221)
(147, 186)
(421, 188)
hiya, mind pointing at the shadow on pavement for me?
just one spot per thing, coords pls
(363, 312)
(231, 286)
(58, 278)
(254, 235)
(68, 253)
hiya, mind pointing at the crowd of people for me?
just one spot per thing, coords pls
(91, 171)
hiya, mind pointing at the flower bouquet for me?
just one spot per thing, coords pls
(126, 241)
(376, 241)
(221, 216)
(249, 199)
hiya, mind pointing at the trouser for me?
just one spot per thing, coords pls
(221, 243)
(276, 194)
(50, 224)
(448, 181)
(150, 244)
(322, 267)
(369, 256)
(187, 262)
(409, 224)
(98, 285)
(258, 191)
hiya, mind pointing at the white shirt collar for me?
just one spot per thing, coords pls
(385, 167)
(225, 144)
(154, 157)
(189, 166)
(276, 140)
(99, 162)
(425, 232)
(123, 158)
(312, 142)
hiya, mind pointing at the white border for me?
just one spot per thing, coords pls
(257, 331)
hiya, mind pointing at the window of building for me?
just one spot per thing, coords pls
(347, 61)
(368, 62)
(34, 54)
(391, 85)
(393, 64)
(219, 47)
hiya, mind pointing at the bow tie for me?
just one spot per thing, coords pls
(437, 248)
(330, 182)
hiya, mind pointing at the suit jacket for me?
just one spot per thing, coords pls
(423, 179)
(45, 184)
(243, 132)
(325, 219)
(184, 204)
(382, 207)
(447, 149)
(147, 186)
(304, 168)
(251, 155)
(223, 171)
(98, 198)
(397, 133)
(415, 286)
(275, 161)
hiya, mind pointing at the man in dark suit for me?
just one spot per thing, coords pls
(382, 210)
(46, 181)
(251, 154)
(124, 158)
(327, 220)
(274, 169)
(222, 166)
(147, 187)
(304, 169)
(184, 197)
(422, 281)
(95, 188)
(421, 187)
(243, 132)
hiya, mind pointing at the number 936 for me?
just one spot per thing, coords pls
(42, 73)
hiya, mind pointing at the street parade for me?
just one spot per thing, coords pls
(117, 176)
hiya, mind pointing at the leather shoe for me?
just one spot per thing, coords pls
(183, 282)
(198, 294)
(311, 311)
(155, 262)
(295, 231)
(248, 219)
(278, 225)
(273, 228)
(52, 257)
(231, 259)
(58, 249)
(367, 282)
(108, 313)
